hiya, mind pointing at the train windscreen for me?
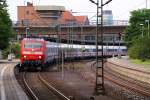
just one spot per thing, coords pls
(32, 45)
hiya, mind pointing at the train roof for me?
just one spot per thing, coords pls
(77, 46)
(32, 39)
(91, 46)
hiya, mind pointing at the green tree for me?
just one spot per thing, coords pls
(16, 49)
(139, 45)
(5, 25)
(134, 30)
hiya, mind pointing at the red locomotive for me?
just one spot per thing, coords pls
(32, 52)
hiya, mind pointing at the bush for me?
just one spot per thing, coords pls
(140, 49)
(5, 53)
(15, 49)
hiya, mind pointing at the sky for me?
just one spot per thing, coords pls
(120, 8)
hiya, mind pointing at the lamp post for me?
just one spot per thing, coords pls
(62, 64)
(142, 29)
(18, 35)
(148, 28)
(57, 27)
(99, 86)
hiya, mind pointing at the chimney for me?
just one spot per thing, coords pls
(29, 4)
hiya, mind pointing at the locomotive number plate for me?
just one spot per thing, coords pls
(32, 52)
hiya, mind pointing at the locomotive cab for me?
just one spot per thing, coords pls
(32, 52)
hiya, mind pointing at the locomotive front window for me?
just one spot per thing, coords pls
(32, 45)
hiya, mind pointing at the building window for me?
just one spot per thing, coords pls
(87, 37)
(92, 37)
(27, 12)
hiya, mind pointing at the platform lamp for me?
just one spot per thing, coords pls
(148, 28)
(142, 30)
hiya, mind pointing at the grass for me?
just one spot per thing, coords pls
(137, 61)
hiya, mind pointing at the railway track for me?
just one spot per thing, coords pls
(127, 82)
(39, 89)
(29, 91)
(129, 77)
(133, 69)
(139, 75)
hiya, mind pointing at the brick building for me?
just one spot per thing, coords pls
(47, 15)
(53, 20)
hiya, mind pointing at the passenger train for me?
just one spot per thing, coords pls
(38, 53)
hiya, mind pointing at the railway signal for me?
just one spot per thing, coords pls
(119, 35)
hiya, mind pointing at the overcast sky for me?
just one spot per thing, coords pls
(120, 8)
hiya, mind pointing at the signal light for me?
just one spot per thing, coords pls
(120, 35)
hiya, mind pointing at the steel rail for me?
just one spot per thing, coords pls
(117, 65)
(29, 90)
(51, 87)
(124, 84)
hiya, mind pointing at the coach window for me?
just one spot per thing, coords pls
(87, 37)
(92, 38)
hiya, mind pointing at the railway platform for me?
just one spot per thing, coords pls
(10, 89)
(7, 61)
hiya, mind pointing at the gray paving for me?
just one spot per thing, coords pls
(9, 87)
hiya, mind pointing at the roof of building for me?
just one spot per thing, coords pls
(81, 19)
(43, 16)
(66, 17)
(49, 7)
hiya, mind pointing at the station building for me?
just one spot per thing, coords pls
(55, 21)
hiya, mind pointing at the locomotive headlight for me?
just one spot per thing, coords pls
(40, 57)
(25, 56)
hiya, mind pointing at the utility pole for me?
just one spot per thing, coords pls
(82, 39)
(99, 83)
(146, 4)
